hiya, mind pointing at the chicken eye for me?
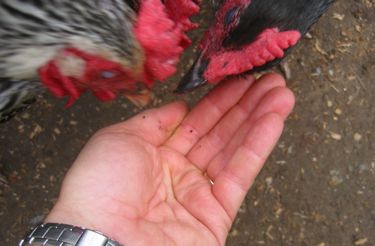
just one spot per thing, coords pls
(107, 74)
(230, 16)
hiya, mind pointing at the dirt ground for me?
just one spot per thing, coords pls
(318, 187)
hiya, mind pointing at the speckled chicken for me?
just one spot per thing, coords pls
(108, 47)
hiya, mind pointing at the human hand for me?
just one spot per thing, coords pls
(172, 177)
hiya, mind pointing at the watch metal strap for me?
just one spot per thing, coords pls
(52, 234)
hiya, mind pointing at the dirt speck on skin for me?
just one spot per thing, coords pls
(318, 187)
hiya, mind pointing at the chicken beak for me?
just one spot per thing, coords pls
(141, 98)
(195, 77)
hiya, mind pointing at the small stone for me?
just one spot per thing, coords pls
(234, 233)
(338, 111)
(41, 165)
(25, 116)
(358, 28)
(37, 129)
(338, 16)
(52, 179)
(331, 72)
(321, 244)
(363, 167)
(308, 35)
(336, 178)
(335, 181)
(335, 136)
(21, 128)
(361, 241)
(329, 103)
(278, 212)
(357, 137)
(269, 181)
(57, 131)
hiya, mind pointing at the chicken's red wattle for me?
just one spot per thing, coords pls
(61, 85)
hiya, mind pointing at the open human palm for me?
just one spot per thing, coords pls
(172, 177)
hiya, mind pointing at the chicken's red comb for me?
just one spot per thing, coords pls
(180, 11)
(160, 29)
(269, 45)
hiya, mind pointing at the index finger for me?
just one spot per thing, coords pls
(207, 113)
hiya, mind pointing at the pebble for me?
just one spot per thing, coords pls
(331, 72)
(269, 181)
(363, 167)
(336, 178)
(41, 165)
(361, 241)
(57, 131)
(338, 16)
(37, 129)
(335, 136)
(308, 35)
(357, 137)
(358, 28)
(25, 116)
(234, 233)
(338, 111)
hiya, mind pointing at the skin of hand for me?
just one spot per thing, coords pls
(168, 176)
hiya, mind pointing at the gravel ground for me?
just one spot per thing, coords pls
(318, 187)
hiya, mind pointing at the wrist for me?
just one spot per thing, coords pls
(62, 214)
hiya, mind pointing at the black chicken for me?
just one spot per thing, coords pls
(250, 36)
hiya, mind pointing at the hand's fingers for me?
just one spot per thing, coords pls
(154, 125)
(193, 192)
(207, 113)
(211, 144)
(278, 100)
(233, 182)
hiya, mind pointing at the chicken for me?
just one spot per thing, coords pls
(250, 36)
(108, 47)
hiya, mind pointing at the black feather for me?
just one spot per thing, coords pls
(283, 14)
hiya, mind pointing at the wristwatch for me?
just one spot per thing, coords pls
(52, 234)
